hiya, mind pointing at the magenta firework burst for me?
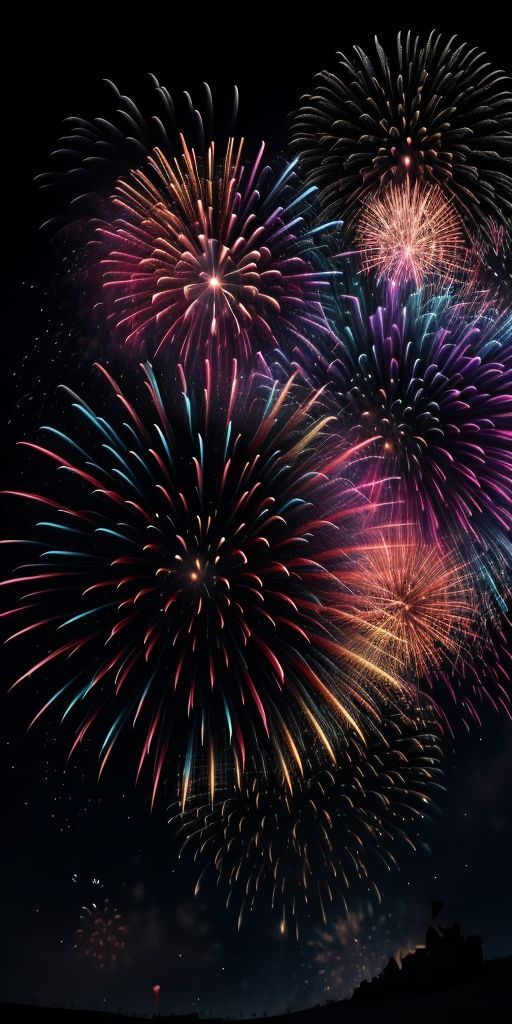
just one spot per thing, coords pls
(101, 935)
(189, 573)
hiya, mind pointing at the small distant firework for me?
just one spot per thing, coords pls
(304, 846)
(189, 574)
(491, 266)
(101, 936)
(436, 110)
(411, 235)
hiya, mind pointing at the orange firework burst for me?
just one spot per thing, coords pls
(415, 601)
(408, 234)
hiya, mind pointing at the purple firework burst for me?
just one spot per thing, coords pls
(431, 380)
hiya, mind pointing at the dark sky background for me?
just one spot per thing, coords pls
(67, 840)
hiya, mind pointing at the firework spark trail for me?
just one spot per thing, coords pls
(191, 555)
(93, 154)
(491, 264)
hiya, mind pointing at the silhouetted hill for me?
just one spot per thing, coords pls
(490, 992)
(18, 1013)
(447, 974)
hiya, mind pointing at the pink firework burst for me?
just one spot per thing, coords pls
(101, 936)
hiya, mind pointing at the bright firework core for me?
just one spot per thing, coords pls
(199, 571)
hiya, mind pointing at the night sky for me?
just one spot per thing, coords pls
(68, 841)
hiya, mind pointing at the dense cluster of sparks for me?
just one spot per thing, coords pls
(411, 234)
(265, 562)
(416, 597)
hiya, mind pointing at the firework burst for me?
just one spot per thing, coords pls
(411, 234)
(189, 574)
(302, 848)
(435, 109)
(101, 936)
(206, 256)
(431, 378)
(204, 250)
(420, 596)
